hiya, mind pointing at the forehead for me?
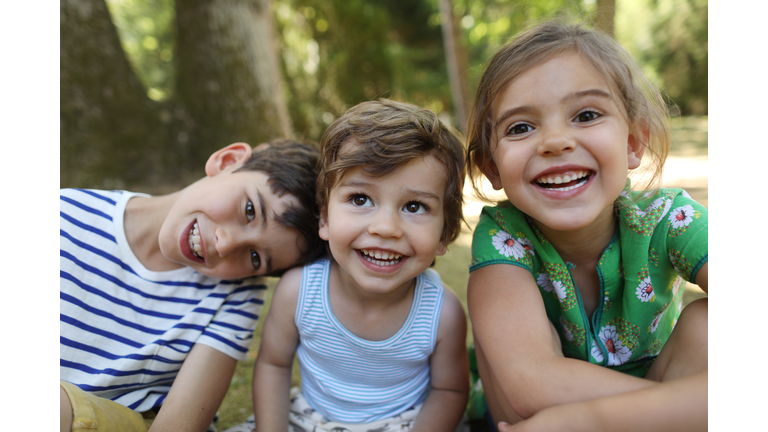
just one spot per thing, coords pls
(426, 173)
(550, 81)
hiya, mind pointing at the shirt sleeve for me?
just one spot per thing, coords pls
(494, 242)
(231, 329)
(687, 236)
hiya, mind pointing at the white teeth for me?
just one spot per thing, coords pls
(194, 241)
(565, 179)
(378, 257)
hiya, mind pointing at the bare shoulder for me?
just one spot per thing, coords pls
(452, 316)
(287, 291)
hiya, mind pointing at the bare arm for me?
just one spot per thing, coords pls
(449, 365)
(272, 372)
(679, 405)
(702, 277)
(512, 330)
(197, 392)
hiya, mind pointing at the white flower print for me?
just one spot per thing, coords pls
(655, 322)
(507, 246)
(559, 290)
(545, 282)
(566, 331)
(625, 194)
(644, 291)
(548, 285)
(527, 245)
(617, 352)
(667, 203)
(681, 217)
(596, 353)
(686, 194)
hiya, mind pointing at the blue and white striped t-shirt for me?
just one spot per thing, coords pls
(125, 330)
(350, 379)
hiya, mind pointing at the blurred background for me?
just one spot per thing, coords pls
(150, 88)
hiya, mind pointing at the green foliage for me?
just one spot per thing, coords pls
(146, 34)
(670, 39)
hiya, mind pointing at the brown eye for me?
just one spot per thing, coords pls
(519, 129)
(255, 260)
(587, 116)
(250, 212)
(415, 207)
(360, 200)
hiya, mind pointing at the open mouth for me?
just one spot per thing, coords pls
(570, 180)
(194, 241)
(380, 257)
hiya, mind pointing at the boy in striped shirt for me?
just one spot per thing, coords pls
(159, 295)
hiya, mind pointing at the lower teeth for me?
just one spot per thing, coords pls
(568, 188)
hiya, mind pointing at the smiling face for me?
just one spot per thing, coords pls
(562, 147)
(383, 231)
(230, 218)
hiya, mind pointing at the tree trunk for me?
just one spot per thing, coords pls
(228, 90)
(456, 61)
(606, 10)
(227, 72)
(108, 125)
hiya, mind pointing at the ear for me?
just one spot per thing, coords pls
(233, 155)
(636, 143)
(491, 171)
(441, 249)
(323, 226)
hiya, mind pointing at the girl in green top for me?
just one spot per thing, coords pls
(576, 281)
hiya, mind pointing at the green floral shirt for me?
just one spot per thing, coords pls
(661, 240)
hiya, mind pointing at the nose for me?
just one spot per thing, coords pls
(555, 141)
(227, 240)
(385, 223)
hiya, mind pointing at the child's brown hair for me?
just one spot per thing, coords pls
(647, 114)
(386, 135)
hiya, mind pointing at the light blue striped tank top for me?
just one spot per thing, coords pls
(349, 379)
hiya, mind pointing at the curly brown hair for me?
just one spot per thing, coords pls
(388, 134)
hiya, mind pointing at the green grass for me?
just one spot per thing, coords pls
(689, 140)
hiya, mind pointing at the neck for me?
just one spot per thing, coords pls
(144, 216)
(585, 245)
(353, 292)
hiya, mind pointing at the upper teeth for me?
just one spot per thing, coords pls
(194, 241)
(564, 179)
(379, 254)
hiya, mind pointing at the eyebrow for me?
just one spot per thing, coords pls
(418, 193)
(525, 108)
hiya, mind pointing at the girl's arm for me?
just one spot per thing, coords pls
(679, 405)
(449, 368)
(514, 335)
(272, 371)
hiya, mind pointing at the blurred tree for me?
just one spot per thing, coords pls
(456, 59)
(669, 38)
(225, 89)
(604, 20)
(679, 52)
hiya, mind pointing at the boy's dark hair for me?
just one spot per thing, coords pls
(386, 135)
(291, 167)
